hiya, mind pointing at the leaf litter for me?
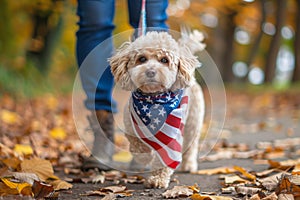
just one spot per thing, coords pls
(41, 140)
(31, 146)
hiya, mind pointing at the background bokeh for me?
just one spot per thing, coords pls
(255, 44)
(252, 41)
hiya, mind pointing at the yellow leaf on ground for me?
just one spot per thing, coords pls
(114, 188)
(5, 190)
(122, 156)
(178, 191)
(199, 197)
(285, 164)
(51, 102)
(218, 170)
(234, 179)
(9, 117)
(40, 167)
(245, 173)
(13, 185)
(58, 133)
(206, 197)
(23, 149)
(12, 162)
(60, 185)
(195, 188)
(120, 191)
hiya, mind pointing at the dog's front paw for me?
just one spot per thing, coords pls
(157, 182)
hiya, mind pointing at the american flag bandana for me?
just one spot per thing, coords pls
(159, 121)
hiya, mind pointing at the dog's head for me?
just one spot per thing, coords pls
(153, 63)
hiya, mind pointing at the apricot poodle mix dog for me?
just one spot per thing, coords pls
(164, 115)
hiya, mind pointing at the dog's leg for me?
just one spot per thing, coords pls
(191, 145)
(160, 176)
(190, 156)
(192, 130)
(141, 153)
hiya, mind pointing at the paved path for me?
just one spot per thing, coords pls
(251, 119)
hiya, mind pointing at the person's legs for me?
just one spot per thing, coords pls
(95, 27)
(156, 15)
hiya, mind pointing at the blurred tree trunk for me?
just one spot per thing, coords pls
(276, 40)
(47, 28)
(255, 46)
(216, 50)
(296, 74)
(228, 54)
(223, 49)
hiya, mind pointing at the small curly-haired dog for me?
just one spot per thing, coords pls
(164, 116)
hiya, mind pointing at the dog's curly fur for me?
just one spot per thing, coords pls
(156, 63)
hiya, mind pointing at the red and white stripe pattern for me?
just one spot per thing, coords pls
(167, 141)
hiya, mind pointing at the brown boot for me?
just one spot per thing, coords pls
(103, 147)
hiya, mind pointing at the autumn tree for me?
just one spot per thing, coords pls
(255, 46)
(222, 48)
(47, 22)
(281, 6)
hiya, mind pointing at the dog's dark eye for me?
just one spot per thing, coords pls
(142, 59)
(164, 60)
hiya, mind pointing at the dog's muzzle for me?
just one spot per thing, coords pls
(150, 73)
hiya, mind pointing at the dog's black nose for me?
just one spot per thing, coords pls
(150, 73)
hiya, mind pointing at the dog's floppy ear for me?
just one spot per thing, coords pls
(186, 68)
(118, 63)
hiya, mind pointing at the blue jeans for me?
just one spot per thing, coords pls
(96, 27)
